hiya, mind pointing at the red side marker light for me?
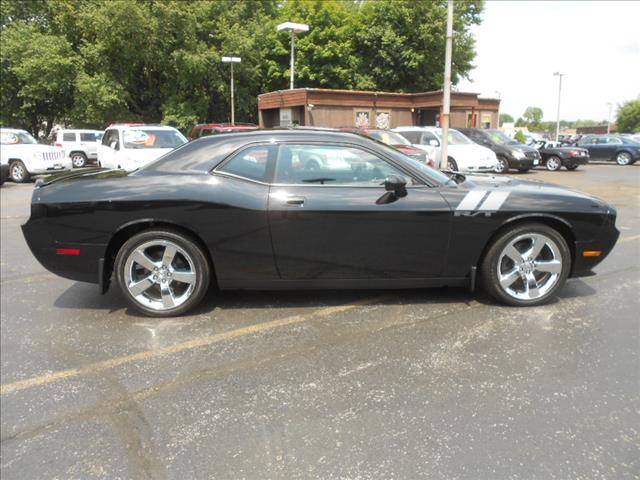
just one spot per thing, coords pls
(67, 251)
(592, 253)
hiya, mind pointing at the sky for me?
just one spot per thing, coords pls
(520, 44)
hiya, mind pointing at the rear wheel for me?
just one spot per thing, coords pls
(452, 165)
(623, 158)
(502, 166)
(18, 172)
(527, 265)
(554, 163)
(162, 273)
(78, 159)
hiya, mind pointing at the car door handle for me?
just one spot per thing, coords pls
(294, 201)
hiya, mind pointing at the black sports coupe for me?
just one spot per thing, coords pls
(297, 209)
(555, 157)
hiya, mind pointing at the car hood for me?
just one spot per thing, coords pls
(34, 147)
(528, 195)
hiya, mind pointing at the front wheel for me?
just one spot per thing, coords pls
(452, 165)
(554, 163)
(623, 158)
(18, 172)
(502, 166)
(162, 273)
(526, 266)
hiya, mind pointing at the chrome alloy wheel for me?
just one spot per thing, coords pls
(160, 275)
(553, 164)
(78, 160)
(623, 158)
(17, 172)
(529, 266)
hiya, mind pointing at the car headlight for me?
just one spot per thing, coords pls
(518, 154)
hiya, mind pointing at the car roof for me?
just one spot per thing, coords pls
(79, 130)
(142, 126)
(225, 125)
(8, 129)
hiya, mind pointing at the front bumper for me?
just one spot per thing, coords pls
(521, 163)
(604, 242)
(40, 168)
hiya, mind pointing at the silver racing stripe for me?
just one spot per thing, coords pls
(471, 200)
(494, 201)
(474, 201)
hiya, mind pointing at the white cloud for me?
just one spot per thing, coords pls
(521, 43)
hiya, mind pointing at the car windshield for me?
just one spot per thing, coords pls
(15, 138)
(390, 138)
(456, 138)
(149, 138)
(501, 139)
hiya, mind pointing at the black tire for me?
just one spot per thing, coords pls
(18, 172)
(489, 265)
(184, 242)
(452, 164)
(503, 165)
(571, 167)
(553, 163)
(78, 159)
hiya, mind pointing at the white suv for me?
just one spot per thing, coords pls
(26, 157)
(79, 145)
(463, 154)
(131, 146)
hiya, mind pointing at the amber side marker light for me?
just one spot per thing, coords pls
(67, 251)
(592, 253)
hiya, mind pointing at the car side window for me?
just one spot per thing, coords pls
(252, 163)
(614, 141)
(429, 138)
(87, 137)
(413, 137)
(68, 137)
(302, 164)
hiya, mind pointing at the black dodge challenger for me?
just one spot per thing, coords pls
(297, 209)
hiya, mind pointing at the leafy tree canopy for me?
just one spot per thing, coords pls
(92, 62)
(505, 118)
(628, 119)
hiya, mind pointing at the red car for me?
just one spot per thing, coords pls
(206, 129)
(393, 139)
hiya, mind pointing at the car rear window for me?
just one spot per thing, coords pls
(250, 163)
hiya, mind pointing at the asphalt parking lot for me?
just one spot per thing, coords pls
(360, 384)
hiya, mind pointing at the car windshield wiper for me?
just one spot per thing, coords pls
(320, 180)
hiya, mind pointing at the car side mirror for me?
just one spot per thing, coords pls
(396, 184)
(434, 143)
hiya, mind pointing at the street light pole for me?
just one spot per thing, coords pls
(293, 28)
(559, 75)
(232, 60)
(446, 102)
(609, 119)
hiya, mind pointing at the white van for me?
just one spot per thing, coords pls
(464, 154)
(130, 146)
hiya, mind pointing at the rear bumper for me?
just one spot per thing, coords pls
(575, 161)
(521, 163)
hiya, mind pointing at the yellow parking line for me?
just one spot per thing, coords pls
(180, 347)
(629, 239)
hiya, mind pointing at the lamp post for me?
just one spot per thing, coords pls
(293, 28)
(232, 60)
(446, 101)
(609, 118)
(499, 100)
(559, 75)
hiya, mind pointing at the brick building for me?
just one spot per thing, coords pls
(320, 107)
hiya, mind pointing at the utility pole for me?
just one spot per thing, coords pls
(446, 102)
(559, 75)
(232, 60)
(609, 119)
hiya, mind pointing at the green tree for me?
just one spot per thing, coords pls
(505, 118)
(38, 72)
(628, 118)
(519, 136)
(532, 115)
